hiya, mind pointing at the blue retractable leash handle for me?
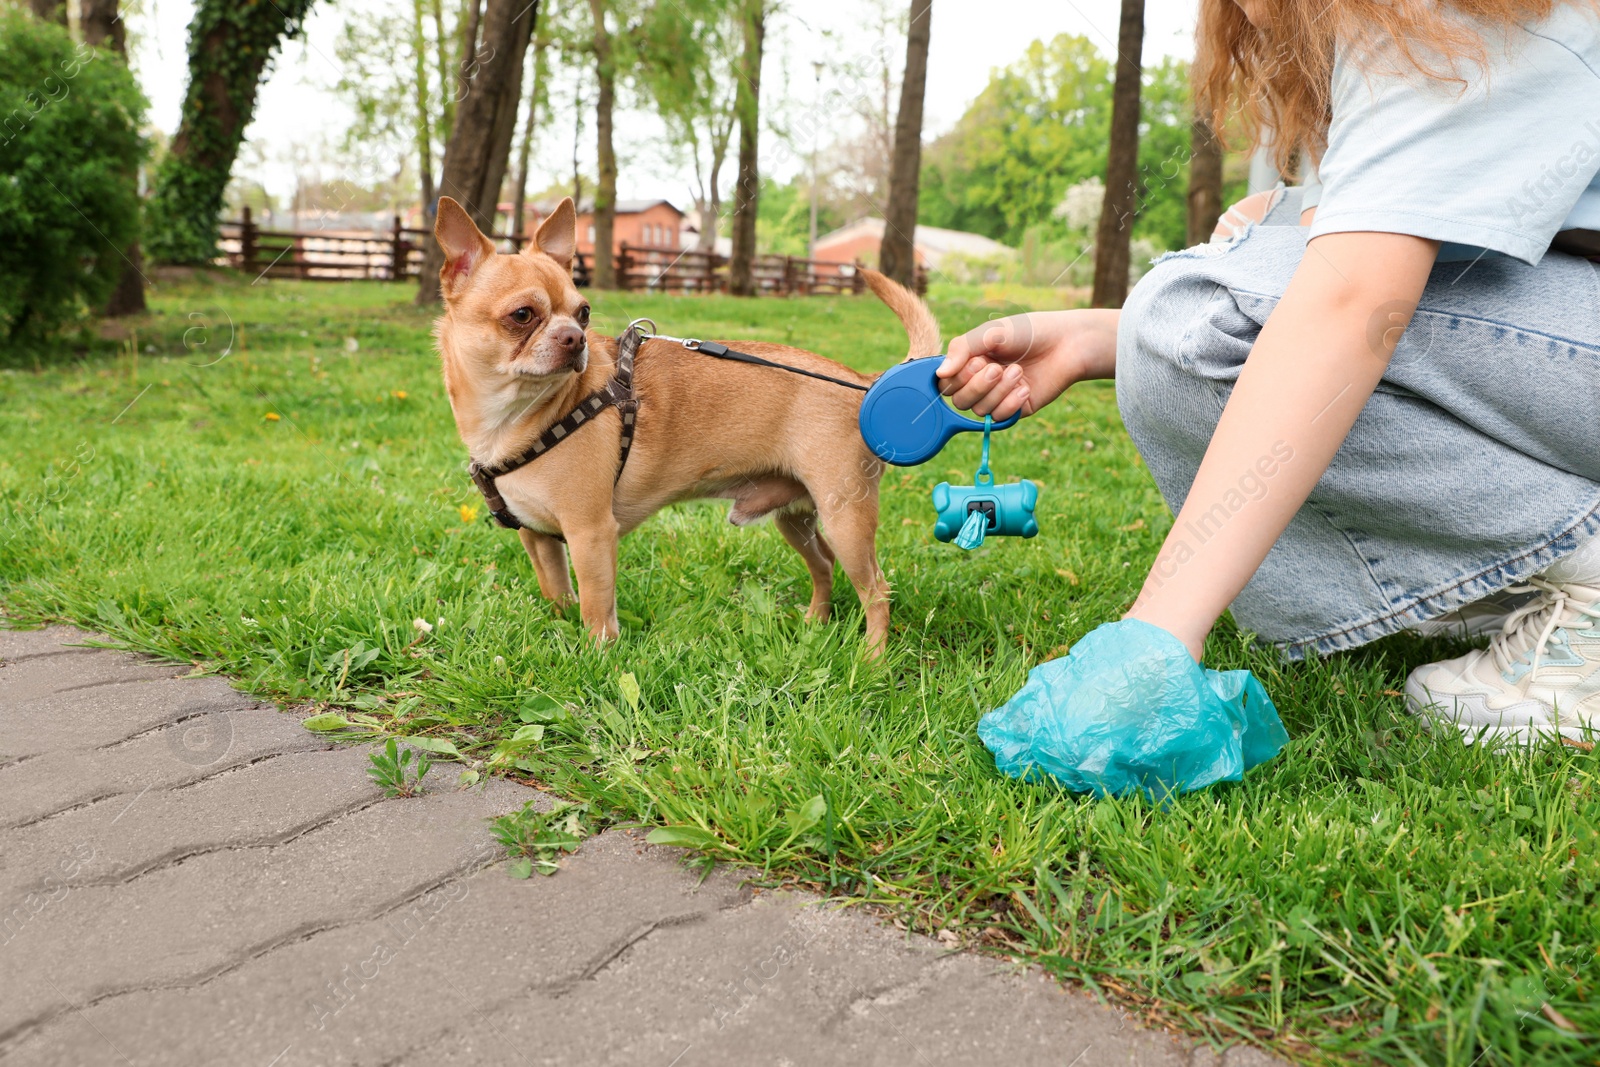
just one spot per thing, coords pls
(905, 421)
(904, 418)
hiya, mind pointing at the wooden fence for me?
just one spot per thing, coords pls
(344, 255)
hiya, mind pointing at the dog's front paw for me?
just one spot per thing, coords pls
(606, 632)
(819, 612)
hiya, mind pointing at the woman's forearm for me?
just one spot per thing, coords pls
(1098, 351)
(1023, 362)
(1316, 362)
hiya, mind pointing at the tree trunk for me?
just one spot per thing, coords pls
(747, 190)
(1122, 165)
(453, 87)
(577, 137)
(541, 71)
(1205, 181)
(710, 204)
(424, 111)
(103, 28)
(605, 191)
(897, 255)
(50, 10)
(480, 143)
(710, 212)
(230, 46)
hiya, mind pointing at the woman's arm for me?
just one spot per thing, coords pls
(1024, 362)
(1317, 360)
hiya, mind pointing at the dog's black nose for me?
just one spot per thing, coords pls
(569, 337)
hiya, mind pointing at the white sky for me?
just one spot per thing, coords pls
(970, 38)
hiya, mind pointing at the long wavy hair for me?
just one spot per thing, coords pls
(1278, 77)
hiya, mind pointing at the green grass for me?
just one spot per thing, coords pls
(1372, 893)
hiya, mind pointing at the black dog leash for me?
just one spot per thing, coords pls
(721, 351)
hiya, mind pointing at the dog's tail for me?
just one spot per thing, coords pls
(921, 327)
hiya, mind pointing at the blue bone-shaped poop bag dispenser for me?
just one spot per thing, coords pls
(905, 420)
(1007, 510)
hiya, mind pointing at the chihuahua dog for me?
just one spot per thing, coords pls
(518, 356)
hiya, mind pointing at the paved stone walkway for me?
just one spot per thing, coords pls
(189, 877)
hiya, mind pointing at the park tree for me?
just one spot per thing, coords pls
(396, 92)
(422, 124)
(1122, 164)
(626, 39)
(103, 28)
(866, 85)
(1039, 128)
(50, 10)
(479, 148)
(468, 32)
(605, 191)
(698, 111)
(1161, 184)
(231, 44)
(1205, 181)
(1036, 129)
(538, 105)
(747, 188)
(897, 256)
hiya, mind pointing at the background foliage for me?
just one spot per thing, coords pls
(69, 152)
(1039, 128)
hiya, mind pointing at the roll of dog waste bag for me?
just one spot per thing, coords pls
(1129, 710)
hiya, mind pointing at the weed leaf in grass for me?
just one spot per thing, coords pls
(436, 745)
(808, 814)
(683, 837)
(326, 722)
(628, 687)
(540, 708)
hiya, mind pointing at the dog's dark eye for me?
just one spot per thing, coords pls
(522, 316)
(583, 315)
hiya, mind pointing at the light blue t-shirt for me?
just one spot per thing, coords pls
(1503, 164)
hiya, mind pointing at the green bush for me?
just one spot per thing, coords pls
(70, 149)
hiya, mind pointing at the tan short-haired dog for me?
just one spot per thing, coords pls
(518, 358)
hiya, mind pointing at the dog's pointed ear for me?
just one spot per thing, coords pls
(557, 236)
(464, 245)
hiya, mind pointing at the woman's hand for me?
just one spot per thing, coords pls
(1024, 362)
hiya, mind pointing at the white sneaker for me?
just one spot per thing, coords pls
(1478, 619)
(1539, 677)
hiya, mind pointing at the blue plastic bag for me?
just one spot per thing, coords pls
(1128, 709)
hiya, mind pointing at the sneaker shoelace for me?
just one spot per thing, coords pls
(1532, 626)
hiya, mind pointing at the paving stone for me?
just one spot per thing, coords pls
(261, 803)
(63, 722)
(68, 670)
(179, 925)
(44, 785)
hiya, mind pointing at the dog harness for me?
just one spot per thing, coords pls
(617, 393)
